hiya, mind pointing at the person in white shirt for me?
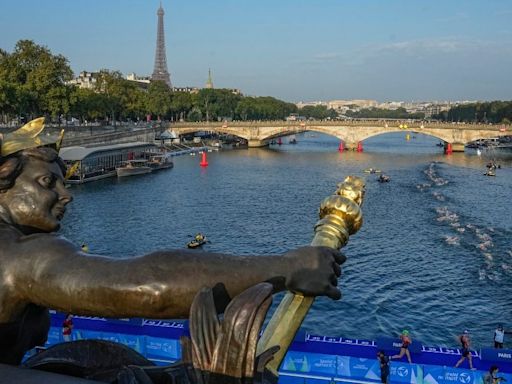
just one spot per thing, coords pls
(499, 336)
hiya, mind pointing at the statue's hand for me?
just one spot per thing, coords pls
(314, 271)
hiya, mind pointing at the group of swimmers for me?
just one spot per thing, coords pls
(465, 342)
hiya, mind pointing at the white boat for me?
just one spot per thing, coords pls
(157, 162)
(133, 167)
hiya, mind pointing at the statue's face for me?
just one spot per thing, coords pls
(37, 201)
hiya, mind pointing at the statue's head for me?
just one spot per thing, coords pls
(32, 192)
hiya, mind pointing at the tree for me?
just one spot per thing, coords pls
(158, 101)
(181, 104)
(319, 112)
(263, 108)
(376, 113)
(31, 74)
(217, 103)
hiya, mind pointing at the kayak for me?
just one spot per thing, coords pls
(196, 243)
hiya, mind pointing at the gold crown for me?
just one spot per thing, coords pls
(29, 136)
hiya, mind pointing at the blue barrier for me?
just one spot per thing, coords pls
(309, 363)
(405, 373)
(393, 345)
(496, 355)
(311, 358)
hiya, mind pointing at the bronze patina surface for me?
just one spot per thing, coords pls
(41, 270)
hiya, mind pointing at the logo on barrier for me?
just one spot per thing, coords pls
(402, 371)
(465, 378)
(505, 355)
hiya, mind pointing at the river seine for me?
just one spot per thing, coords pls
(434, 255)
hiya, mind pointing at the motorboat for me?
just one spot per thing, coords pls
(133, 168)
(383, 179)
(490, 172)
(157, 162)
(198, 241)
(372, 170)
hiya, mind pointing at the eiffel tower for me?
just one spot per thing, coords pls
(160, 71)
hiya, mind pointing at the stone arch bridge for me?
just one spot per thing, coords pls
(260, 133)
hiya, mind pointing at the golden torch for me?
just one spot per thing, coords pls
(340, 216)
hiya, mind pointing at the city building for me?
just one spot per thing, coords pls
(185, 89)
(85, 80)
(141, 81)
(138, 79)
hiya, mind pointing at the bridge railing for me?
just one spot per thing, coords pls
(354, 123)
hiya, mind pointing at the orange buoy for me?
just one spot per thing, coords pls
(341, 147)
(204, 162)
(359, 146)
(449, 149)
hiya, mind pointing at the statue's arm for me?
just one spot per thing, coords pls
(56, 274)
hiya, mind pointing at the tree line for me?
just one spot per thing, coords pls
(379, 113)
(34, 82)
(485, 112)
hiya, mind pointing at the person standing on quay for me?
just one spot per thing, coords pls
(67, 327)
(404, 349)
(466, 352)
(499, 336)
(384, 367)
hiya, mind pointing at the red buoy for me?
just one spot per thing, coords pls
(449, 149)
(359, 146)
(341, 147)
(204, 162)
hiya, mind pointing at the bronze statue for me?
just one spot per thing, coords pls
(41, 270)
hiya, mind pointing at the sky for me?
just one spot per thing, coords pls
(295, 50)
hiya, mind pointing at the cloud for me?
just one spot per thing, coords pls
(458, 16)
(326, 57)
(444, 45)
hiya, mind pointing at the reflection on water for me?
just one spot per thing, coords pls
(434, 255)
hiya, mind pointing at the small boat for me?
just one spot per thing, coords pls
(383, 179)
(198, 241)
(293, 141)
(158, 162)
(490, 173)
(372, 170)
(133, 168)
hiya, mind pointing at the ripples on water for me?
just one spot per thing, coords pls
(434, 255)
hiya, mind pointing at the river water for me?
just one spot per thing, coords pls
(434, 255)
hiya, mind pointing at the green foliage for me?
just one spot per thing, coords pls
(318, 112)
(377, 113)
(263, 108)
(488, 112)
(195, 115)
(216, 104)
(181, 104)
(158, 100)
(34, 80)
(33, 83)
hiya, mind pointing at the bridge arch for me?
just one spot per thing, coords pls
(405, 131)
(222, 130)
